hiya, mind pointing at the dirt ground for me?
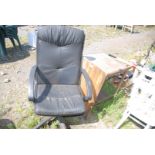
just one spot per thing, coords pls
(14, 72)
(123, 46)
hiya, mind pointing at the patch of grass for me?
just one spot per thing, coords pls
(109, 88)
(111, 111)
(10, 126)
(55, 124)
(129, 124)
(30, 122)
(27, 117)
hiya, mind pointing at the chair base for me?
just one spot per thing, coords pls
(46, 120)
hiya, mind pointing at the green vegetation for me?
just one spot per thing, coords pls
(27, 118)
(54, 124)
(110, 111)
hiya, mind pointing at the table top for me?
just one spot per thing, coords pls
(106, 63)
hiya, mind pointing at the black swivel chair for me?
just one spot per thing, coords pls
(54, 83)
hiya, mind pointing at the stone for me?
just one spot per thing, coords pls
(18, 72)
(3, 73)
(6, 80)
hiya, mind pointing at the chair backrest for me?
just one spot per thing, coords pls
(10, 31)
(59, 54)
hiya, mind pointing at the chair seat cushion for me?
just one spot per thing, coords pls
(59, 100)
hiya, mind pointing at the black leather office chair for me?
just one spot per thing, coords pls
(54, 83)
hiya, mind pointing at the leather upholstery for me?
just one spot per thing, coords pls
(59, 53)
(59, 100)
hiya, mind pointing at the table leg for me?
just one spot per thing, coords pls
(121, 81)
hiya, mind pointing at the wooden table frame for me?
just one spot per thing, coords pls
(99, 73)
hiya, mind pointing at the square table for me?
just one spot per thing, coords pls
(101, 67)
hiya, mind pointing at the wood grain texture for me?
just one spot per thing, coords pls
(100, 67)
(97, 77)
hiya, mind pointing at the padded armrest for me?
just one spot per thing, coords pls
(32, 83)
(88, 85)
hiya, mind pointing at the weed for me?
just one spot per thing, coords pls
(111, 111)
(55, 124)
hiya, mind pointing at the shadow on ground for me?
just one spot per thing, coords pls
(15, 54)
(79, 120)
(7, 124)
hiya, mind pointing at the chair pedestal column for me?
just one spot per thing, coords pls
(44, 121)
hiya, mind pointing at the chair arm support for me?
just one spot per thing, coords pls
(32, 83)
(88, 85)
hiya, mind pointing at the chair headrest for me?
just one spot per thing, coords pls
(60, 35)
